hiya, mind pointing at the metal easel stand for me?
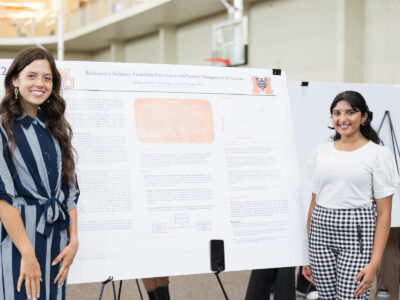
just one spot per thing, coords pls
(220, 284)
(110, 279)
(103, 284)
(395, 144)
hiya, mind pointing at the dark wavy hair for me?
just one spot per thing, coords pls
(357, 102)
(52, 110)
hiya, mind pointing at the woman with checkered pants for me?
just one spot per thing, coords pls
(353, 179)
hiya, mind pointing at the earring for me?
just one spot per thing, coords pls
(362, 123)
(16, 91)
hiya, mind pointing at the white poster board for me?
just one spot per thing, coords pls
(311, 117)
(171, 157)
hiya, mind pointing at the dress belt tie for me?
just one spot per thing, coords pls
(54, 214)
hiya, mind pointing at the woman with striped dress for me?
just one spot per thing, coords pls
(38, 188)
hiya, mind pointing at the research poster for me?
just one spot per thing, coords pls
(310, 110)
(170, 157)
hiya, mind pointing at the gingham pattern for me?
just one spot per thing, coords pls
(335, 252)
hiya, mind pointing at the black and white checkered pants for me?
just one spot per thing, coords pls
(340, 245)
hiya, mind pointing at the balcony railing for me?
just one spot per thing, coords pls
(76, 17)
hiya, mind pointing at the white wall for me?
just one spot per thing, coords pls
(194, 41)
(101, 55)
(297, 36)
(382, 42)
(83, 56)
(143, 50)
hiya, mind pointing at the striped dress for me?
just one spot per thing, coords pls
(33, 185)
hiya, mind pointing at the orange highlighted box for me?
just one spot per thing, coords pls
(162, 120)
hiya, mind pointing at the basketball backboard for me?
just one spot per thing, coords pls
(230, 42)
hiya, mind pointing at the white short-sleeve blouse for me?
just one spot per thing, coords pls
(342, 179)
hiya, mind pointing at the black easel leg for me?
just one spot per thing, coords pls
(119, 289)
(220, 284)
(140, 291)
(115, 295)
(101, 291)
(110, 278)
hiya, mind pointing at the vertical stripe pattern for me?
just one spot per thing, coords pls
(32, 184)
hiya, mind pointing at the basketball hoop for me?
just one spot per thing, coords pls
(230, 41)
(225, 61)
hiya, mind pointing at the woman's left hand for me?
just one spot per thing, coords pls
(66, 257)
(366, 276)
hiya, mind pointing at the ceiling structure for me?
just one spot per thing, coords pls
(145, 17)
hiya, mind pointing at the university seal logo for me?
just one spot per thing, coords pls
(66, 79)
(262, 85)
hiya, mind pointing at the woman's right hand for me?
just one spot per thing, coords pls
(308, 274)
(30, 268)
(31, 273)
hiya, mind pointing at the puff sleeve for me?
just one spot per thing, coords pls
(385, 177)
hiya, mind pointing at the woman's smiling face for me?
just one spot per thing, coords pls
(346, 119)
(35, 84)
